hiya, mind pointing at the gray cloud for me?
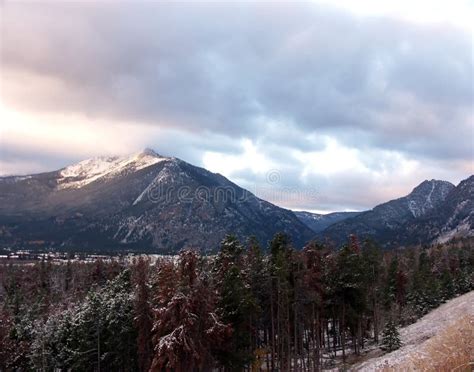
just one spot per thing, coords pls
(286, 76)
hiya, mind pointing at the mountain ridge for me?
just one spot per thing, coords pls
(416, 218)
(144, 201)
(157, 203)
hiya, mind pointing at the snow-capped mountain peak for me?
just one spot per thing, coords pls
(90, 170)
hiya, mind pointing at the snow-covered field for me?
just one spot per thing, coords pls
(442, 340)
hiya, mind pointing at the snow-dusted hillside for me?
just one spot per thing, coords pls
(441, 340)
(435, 211)
(90, 170)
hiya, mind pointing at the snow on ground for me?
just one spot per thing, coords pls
(462, 229)
(435, 338)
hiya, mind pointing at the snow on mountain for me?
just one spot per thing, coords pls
(426, 196)
(394, 222)
(169, 173)
(141, 202)
(162, 203)
(444, 329)
(457, 213)
(463, 229)
(90, 170)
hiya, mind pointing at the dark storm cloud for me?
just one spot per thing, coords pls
(286, 76)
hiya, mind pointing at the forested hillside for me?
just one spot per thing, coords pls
(247, 307)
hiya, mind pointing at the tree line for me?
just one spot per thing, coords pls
(244, 309)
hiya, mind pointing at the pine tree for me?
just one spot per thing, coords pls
(372, 258)
(143, 313)
(350, 293)
(313, 297)
(280, 259)
(390, 337)
(390, 290)
(235, 303)
(424, 293)
(257, 276)
(259, 282)
(186, 328)
(98, 332)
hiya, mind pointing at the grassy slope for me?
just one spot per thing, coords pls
(442, 340)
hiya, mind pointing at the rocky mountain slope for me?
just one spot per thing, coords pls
(453, 218)
(433, 211)
(141, 202)
(318, 222)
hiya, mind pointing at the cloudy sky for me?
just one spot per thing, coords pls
(320, 105)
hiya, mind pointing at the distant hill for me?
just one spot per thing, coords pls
(318, 222)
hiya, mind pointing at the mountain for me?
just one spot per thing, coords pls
(143, 202)
(433, 211)
(318, 222)
(148, 202)
(453, 218)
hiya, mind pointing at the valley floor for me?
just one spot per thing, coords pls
(442, 340)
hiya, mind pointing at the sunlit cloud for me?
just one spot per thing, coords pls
(250, 158)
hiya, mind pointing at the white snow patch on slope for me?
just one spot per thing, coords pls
(428, 202)
(415, 335)
(419, 208)
(461, 230)
(127, 227)
(170, 172)
(413, 208)
(90, 170)
(21, 178)
(312, 216)
(457, 210)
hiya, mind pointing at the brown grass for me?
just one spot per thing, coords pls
(450, 350)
